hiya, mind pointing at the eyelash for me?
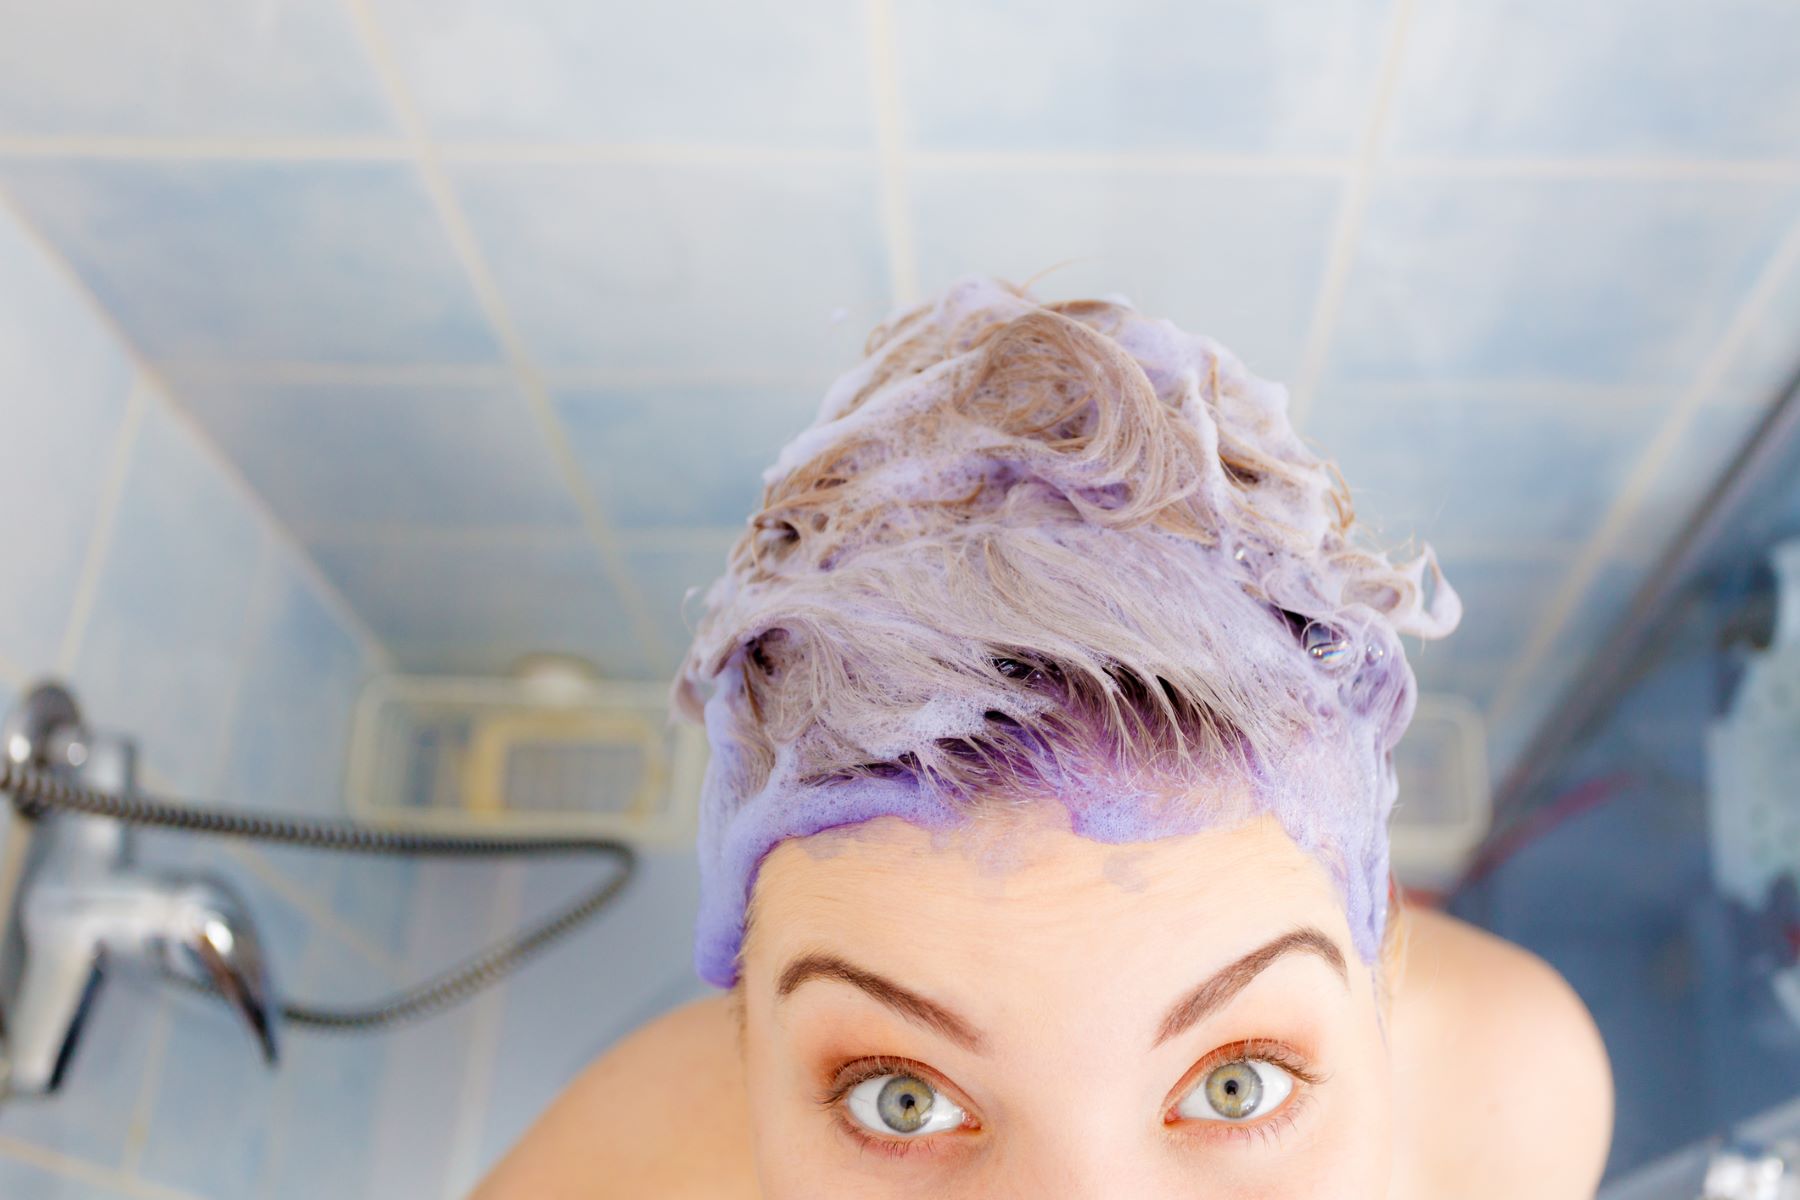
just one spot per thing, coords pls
(864, 1069)
(1267, 1129)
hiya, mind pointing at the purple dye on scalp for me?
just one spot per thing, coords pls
(1052, 550)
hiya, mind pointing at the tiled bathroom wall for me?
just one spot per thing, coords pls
(140, 568)
(349, 335)
(497, 290)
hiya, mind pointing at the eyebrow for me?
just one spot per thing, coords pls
(1202, 1001)
(1218, 991)
(904, 1001)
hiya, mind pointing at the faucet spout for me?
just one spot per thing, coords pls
(193, 925)
(76, 906)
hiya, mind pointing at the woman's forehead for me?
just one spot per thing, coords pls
(1025, 877)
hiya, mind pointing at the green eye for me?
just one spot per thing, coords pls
(1234, 1090)
(1237, 1091)
(904, 1103)
(901, 1106)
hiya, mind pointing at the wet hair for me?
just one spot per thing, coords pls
(1062, 550)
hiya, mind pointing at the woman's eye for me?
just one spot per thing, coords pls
(901, 1106)
(1237, 1091)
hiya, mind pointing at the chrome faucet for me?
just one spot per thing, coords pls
(74, 904)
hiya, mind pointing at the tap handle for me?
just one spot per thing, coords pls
(218, 944)
(241, 979)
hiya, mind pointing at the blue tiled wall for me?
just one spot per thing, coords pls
(497, 307)
(521, 286)
(147, 574)
(183, 611)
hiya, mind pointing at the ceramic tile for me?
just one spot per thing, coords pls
(292, 713)
(667, 568)
(26, 1181)
(1219, 76)
(1472, 469)
(187, 68)
(324, 1143)
(247, 261)
(633, 962)
(1614, 281)
(681, 457)
(1539, 78)
(462, 604)
(683, 267)
(1768, 361)
(160, 658)
(561, 70)
(63, 386)
(215, 1082)
(442, 455)
(90, 1117)
(1238, 259)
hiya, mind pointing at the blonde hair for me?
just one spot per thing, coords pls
(1064, 549)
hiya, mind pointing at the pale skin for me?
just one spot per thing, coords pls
(1077, 1007)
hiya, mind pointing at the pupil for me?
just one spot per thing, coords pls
(905, 1104)
(1234, 1090)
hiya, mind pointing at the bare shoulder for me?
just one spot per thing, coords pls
(1502, 1079)
(614, 1131)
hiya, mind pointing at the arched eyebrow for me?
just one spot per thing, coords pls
(904, 1001)
(1217, 992)
(1202, 1001)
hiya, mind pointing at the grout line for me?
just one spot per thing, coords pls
(308, 975)
(118, 465)
(1347, 236)
(466, 658)
(412, 375)
(137, 1133)
(401, 151)
(487, 292)
(281, 1118)
(327, 590)
(1658, 169)
(896, 214)
(1602, 547)
(671, 537)
(1432, 390)
(646, 154)
(68, 1167)
(202, 148)
(257, 612)
(996, 157)
(388, 533)
(484, 1044)
(680, 377)
(1518, 553)
(327, 373)
(1161, 162)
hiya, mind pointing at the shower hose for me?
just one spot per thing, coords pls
(35, 792)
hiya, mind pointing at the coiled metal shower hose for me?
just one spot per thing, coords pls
(35, 792)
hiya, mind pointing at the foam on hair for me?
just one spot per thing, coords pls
(1031, 550)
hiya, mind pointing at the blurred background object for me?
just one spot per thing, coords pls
(350, 340)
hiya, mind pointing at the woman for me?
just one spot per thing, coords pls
(1051, 697)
